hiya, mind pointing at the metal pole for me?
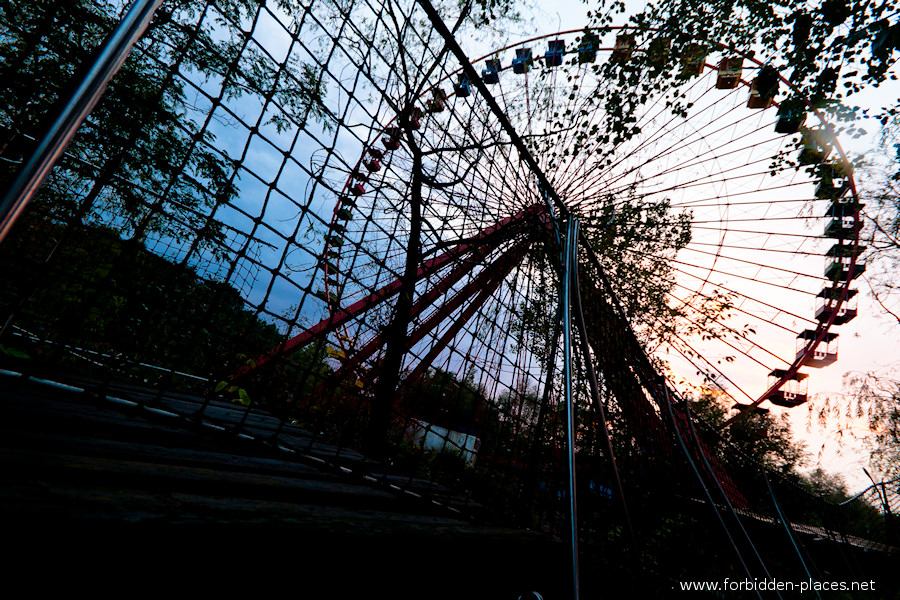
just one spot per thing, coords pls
(73, 113)
(568, 262)
(787, 528)
(598, 403)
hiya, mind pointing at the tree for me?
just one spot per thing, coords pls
(831, 487)
(878, 174)
(416, 53)
(829, 51)
(145, 164)
(157, 312)
(143, 161)
(873, 397)
(441, 398)
(142, 167)
(869, 408)
(762, 436)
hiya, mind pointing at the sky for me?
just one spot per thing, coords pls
(866, 344)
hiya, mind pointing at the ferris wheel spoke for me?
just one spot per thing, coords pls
(705, 373)
(691, 292)
(739, 293)
(687, 212)
(714, 154)
(727, 273)
(755, 249)
(682, 143)
(734, 332)
(744, 295)
(753, 263)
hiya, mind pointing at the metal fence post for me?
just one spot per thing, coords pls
(569, 251)
(77, 107)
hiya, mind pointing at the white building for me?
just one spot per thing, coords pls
(433, 437)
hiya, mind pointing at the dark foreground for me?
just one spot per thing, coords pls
(101, 496)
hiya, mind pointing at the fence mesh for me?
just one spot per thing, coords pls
(301, 209)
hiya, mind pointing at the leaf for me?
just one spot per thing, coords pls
(13, 352)
(244, 397)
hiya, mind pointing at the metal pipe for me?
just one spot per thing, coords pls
(568, 262)
(594, 388)
(75, 110)
(787, 528)
(687, 455)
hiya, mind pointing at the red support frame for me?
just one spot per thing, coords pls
(483, 294)
(486, 239)
(487, 280)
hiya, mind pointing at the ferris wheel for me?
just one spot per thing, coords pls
(725, 218)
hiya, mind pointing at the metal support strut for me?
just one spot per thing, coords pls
(569, 253)
(75, 110)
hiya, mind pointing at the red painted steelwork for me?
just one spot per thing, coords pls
(640, 406)
(495, 271)
(483, 294)
(343, 315)
(698, 447)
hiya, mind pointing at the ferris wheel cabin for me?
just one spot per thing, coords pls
(763, 88)
(522, 61)
(587, 49)
(843, 223)
(792, 392)
(816, 145)
(791, 116)
(827, 305)
(624, 47)
(491, 72)
(554, 55)
(437, 102)
(841, 257)
(757, 429)
(824, 354)
(729, 74)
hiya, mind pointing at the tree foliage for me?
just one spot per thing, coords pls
(831, 487)
(762, 436)
(635, 239)
(878, 179)
(143, 161)
(440, 398)
(868, 408)
(144, 165)
(153, 311)
(827, 49)
(873, 398)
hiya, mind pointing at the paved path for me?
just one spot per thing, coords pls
(121, 479)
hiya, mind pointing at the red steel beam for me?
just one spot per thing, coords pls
(489, 277)
(343, 315)
(489, 288)
(698, 446)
